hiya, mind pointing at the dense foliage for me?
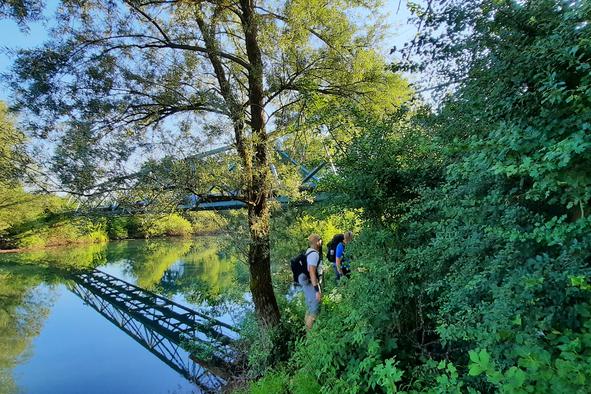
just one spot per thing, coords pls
(475, 253)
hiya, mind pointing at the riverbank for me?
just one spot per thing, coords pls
(58, 230)
(58, 246)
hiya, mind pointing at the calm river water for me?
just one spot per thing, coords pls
(57, 337)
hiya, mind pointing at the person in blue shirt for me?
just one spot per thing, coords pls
(342, 264)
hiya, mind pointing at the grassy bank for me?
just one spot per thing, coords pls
(50, 229)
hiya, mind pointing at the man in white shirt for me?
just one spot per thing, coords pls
(310, 283)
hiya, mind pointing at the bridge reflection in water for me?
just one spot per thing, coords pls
(163, 327)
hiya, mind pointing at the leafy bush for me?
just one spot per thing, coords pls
(264, 349)
(118, 228)
(149, 226)
(276, 382)
(206, 222)
(52, 229)
(31, 241)
(21, 211)
(475, 254)
(303, 383)
(62, 230)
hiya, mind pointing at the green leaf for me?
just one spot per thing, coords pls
(484, 359)
(475, 370)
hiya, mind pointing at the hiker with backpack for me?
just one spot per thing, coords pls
(307, 269)
(336, 254)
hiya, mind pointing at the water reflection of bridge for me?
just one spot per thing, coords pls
(165, 328)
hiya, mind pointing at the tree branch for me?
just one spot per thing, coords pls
(149, 19)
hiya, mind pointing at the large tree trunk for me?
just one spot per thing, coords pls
(259, 262)
(254, 154)
(259, 190)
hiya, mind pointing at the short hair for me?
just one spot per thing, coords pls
(313, 238)
(348, 236)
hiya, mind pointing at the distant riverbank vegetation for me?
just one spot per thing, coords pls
(36, 220)
(29, 221)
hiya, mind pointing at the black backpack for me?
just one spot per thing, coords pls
(299, 265)
(331, 253)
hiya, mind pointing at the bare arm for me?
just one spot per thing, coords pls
(313, 275)
(314, 280)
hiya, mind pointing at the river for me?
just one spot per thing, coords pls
(59, 337)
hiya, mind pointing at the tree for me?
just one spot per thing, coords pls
(22, 11)
(16, 205)
(116, 73)
(12, 153)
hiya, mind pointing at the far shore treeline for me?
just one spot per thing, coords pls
(43, 221)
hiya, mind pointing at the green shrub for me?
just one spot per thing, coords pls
(62, 230)
(206, 222)
(150, 226)
(30, 241)
(118, 227)
(474, 257)
(59, 229)
(276, 382)
(21, 211)
(304, 383)
(97, 236)
(264, 349)
(176, 225)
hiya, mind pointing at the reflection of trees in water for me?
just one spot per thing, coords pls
(25, 304)
(210, 273)
(149, 262)
(72, 257)
(23, 309)
(204, 269)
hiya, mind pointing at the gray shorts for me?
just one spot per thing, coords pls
(311, 302)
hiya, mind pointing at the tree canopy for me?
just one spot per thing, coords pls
(12, 148)
(116, 76)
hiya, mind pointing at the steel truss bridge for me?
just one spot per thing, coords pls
(227, 199)
(195, 345)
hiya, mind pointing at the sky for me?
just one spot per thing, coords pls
(13, 38)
